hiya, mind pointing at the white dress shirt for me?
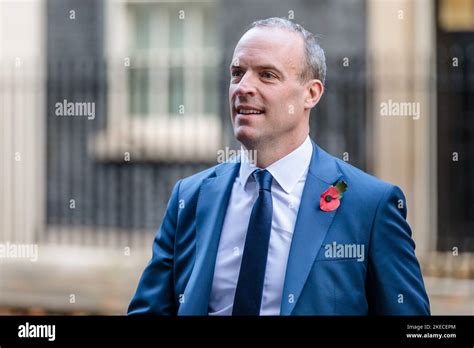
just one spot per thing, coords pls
(289, 176)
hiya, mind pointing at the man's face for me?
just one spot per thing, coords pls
(265, 79)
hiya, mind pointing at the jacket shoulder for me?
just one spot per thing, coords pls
(192, 183)
(361, 183)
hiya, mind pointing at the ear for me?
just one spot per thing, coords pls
(314, 91)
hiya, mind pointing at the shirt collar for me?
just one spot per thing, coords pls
(286, 171)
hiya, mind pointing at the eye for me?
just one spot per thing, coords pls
(235, 73)
(268, 75)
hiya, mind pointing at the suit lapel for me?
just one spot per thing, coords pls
(311, 227)
(211, 208)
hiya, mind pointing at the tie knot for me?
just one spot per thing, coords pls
(263, 179)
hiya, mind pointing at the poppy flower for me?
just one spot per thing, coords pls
(330, 199)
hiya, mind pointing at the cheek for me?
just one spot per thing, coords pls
(296, 101)
(288, 103)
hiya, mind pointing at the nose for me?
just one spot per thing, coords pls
(246, 85)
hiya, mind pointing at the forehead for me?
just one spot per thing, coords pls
(279, 47)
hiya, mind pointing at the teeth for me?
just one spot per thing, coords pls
(241, 111)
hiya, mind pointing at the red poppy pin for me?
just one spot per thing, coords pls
(330, 199)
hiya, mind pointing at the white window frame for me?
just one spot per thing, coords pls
(191, 137)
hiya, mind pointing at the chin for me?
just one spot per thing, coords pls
(246, 135)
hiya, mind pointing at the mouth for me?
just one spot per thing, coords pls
(248, 111)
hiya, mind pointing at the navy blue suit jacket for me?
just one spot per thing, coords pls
(372, 213)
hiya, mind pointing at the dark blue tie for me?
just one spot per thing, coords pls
(248, 294)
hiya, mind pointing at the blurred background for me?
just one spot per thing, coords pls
(89, 190)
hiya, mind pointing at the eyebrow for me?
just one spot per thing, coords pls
(261, 67)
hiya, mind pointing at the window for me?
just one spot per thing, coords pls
(456, 15)
(162, 71)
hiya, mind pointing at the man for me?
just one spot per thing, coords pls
(299, 232)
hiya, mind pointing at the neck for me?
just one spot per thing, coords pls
(272, 151)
